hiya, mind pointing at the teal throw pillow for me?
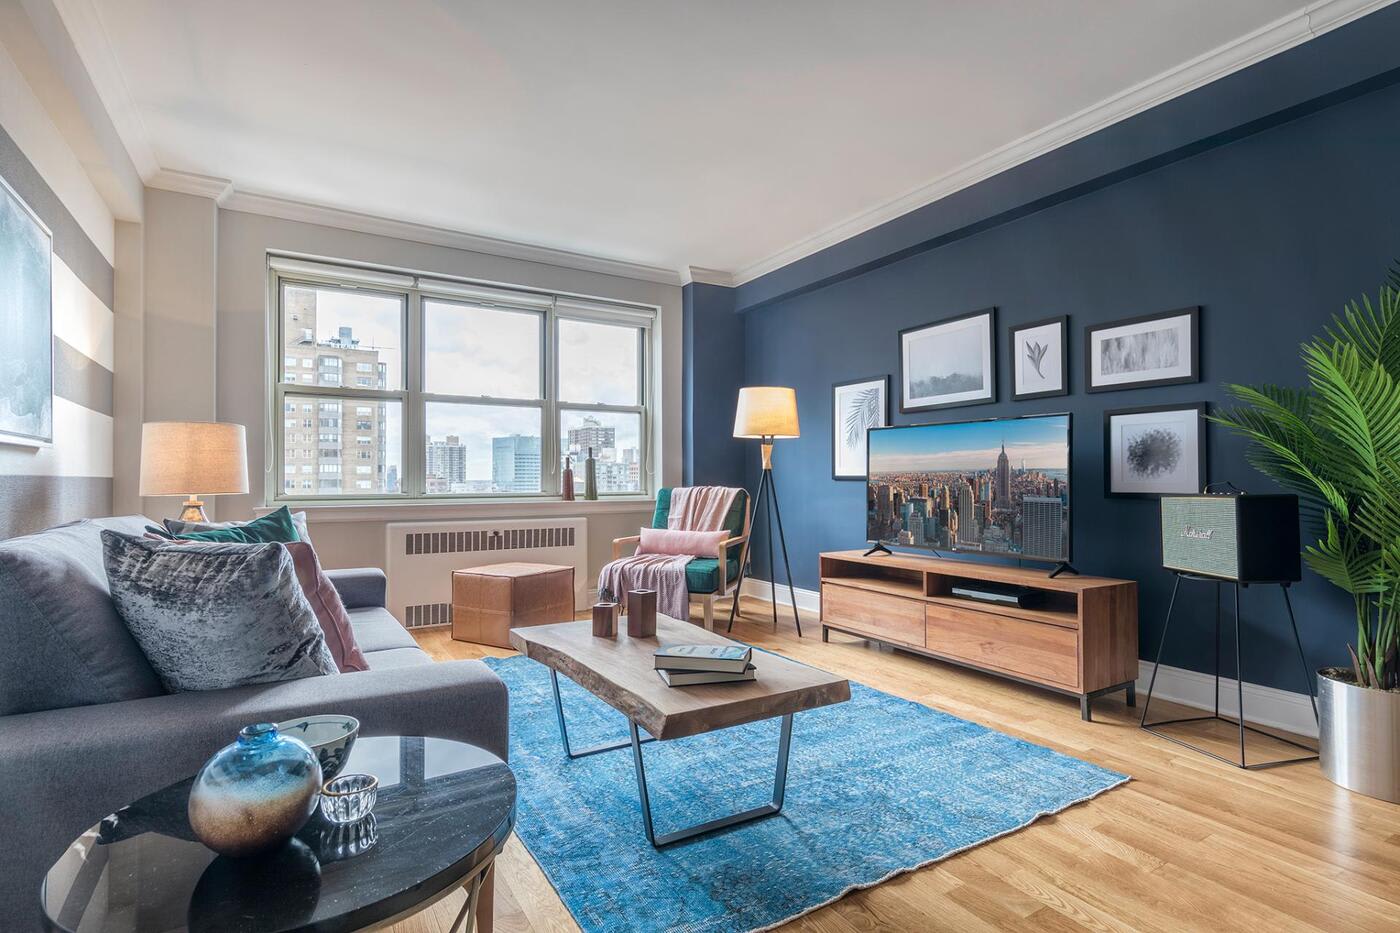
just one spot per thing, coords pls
(273, 527)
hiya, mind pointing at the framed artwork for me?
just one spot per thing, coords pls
(948, 363)
(1137, 352)
(856, 407)
(1040, 359)
(1155, 451)
(26, 320)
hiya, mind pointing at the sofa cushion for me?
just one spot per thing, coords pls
(210, 615)
(702, 574)
(397, 657)
(377, 630)
(64, 642)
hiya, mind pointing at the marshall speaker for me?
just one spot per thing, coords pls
(1240, 537)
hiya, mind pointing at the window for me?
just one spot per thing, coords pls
(457, 390)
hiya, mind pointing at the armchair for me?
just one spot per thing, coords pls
(707, 578)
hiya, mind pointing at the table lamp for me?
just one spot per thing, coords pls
(190, 458)
(765, 413)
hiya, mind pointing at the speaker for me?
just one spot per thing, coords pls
(1241, 537)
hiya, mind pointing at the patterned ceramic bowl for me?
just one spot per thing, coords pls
(330, 736)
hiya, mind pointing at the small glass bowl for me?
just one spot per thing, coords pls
(349, 797)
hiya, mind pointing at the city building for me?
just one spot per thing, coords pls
(515, 463)
(446, 464)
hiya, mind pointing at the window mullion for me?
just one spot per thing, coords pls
(550, 482)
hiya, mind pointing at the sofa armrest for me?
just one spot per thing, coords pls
(65, 769)
(620, 544)
(360, 588)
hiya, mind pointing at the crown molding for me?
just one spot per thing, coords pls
(699, 275)
(1270, 39)
(218, 190)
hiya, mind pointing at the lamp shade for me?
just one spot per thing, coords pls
(181, 458)
(766, 411)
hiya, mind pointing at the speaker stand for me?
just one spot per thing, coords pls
(1239, 683)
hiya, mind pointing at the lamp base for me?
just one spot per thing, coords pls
(192, 510)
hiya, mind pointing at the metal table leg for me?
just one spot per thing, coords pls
(564, 731)
(466, 917)
(767, 809)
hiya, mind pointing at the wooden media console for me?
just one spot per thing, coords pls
(1079, 637)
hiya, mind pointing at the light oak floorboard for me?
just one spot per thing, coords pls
(1189, 844)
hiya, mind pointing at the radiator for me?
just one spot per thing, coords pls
(422, 555)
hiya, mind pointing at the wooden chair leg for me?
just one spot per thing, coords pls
(709, 601)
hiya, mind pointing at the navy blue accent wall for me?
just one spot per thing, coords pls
(1269, 229)
(713, 354)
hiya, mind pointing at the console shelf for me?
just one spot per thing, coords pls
(1080, 638)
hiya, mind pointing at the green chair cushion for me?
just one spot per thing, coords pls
(702, 573)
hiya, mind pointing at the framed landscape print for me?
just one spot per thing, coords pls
(948, 363)
(26, 309)
(1152, 350)
(1039, 359)
(1155, 451)
(856, 407)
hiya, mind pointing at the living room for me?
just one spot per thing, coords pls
(941, 461)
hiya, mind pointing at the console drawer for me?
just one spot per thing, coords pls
(879, 615)
(1034, 650)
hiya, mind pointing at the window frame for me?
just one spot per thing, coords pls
(413, 290)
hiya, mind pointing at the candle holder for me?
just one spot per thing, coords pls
(605, 620)
(641, 613)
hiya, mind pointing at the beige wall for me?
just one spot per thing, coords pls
(345, 537)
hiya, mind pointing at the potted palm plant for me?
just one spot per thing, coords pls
(1337, 444)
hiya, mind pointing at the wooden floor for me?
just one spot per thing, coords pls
(1189, 844)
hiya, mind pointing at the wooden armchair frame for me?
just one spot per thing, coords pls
(726, 587)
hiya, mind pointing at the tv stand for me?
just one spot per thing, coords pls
(1061, 567)
(1080, 638)
(879, 548)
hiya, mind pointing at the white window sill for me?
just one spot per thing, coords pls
(320, 512)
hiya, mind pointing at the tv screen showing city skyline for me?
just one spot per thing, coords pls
(997, 487)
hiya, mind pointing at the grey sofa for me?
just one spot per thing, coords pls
(85, 727)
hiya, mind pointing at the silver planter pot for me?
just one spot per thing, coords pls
(1359, 741)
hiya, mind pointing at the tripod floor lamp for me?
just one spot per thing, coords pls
(765, 413)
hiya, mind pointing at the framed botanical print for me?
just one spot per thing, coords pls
(1137, 352)
(948, 363)
(1039, 359)
(26, 320)
(856, 407)
(1155, 451)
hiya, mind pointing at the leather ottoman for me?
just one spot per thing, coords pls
(488, 601)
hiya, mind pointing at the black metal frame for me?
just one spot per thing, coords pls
(1193, 312)
(767, 494)
(1011, 332)
(635, 741)
(1239, 682)
(835, 426)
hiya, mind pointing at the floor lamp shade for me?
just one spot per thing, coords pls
(766, 411)
(190, 458)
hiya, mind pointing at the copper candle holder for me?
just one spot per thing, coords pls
(641, 613)
(605, 620)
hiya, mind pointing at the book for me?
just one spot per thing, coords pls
(695, 678)
(726, 658)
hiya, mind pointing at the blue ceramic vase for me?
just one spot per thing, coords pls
(254, 795)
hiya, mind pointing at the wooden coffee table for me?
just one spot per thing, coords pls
(621, 672)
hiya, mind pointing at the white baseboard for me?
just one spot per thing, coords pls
(1264, 706)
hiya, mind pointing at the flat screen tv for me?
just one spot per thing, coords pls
(996, 487)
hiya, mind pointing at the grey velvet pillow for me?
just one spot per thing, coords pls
(214, 615)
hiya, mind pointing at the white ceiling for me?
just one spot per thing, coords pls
(723, 134)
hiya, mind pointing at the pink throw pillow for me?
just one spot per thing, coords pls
(330, 611)
(681, 543)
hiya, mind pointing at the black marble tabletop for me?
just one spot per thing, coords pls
(445, 809)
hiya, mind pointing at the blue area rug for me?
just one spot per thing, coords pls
(876, 786)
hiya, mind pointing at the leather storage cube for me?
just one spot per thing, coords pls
(488, 601)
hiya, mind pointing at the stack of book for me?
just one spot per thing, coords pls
(688, 665)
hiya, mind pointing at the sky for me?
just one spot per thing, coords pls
(1041, 442)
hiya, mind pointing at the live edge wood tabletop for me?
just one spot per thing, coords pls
(1080, 637)
(620, 671)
